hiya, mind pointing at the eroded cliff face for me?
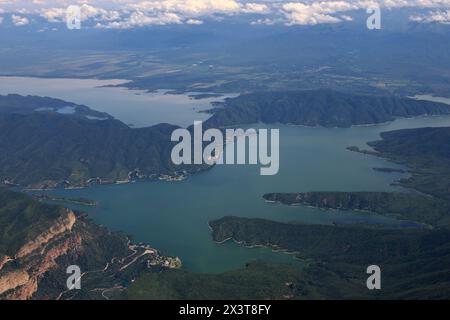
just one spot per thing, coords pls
(34, 264)
(13, 280)
(4, 260)
(62, 225)
(37, 257)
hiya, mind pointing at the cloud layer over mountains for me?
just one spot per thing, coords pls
(124, 14)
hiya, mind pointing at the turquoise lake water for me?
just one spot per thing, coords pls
(173, 216)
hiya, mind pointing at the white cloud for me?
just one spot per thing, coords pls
(194, 21)
(188, 7)
(255, 8)
(54, 14)
(435, 16)
(129, 14)
(346, 18)
(327, 11)
(87, 12)
(308, 14)
(137, 13)
(140, 19)
(19, 20)
(266, 21)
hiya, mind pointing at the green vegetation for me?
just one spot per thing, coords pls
(406, 206)
(22, 219)
(257, 281)
(17, 104)
(80, 201)
(319, 108)
(415, 263)
(355, 244)
(49, 149)
(107, 261)
(426, 151)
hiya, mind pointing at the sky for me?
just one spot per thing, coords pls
(126, 14)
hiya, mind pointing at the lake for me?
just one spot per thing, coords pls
(134, 107)
(173, 216)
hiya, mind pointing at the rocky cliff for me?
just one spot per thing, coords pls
(38, 256)
(38, 242)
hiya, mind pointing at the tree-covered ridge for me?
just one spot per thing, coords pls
(14, 103)
(406, 206)
(257, 280)
(426, 151)
(414, 263)
(22, 219)
(320, 108)
(51, 149)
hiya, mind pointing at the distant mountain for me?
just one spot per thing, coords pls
(48, 148)
(320, 108)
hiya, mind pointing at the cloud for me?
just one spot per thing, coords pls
(435, 16)
(140, 19)
(346, 18)
(19, 21)
(255, 8)
(327, 11)
(266, 21)
(137, 13)
(311, 14)
(188, 7)
(194, 21)
(87, 12)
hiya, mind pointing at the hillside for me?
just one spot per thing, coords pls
(426, 151)
(48, 149)
(405, 206)
(39, 241)
(14, 103)
(414, 263)
(322, 107)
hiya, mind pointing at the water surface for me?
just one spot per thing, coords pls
(173, 216)
(134, 107)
